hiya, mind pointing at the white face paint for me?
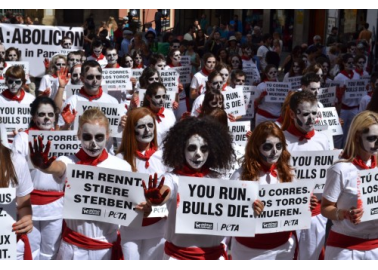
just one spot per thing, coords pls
(129, 62)
(93, 138)
(210, 63)
(92, 80)
(60, 63)
(112, 56)
(158, 99)
(239, 80)
(160, 65)
(313, 87)
(217, 102)
(224, 73)
(296, 68)
(305, 116)
(12, 56)
(176, 58)
(196, 152)
(272, 74)
(271, 149)
(369, 140)
(45, 117)
(217, 83)
(138, 59)
(97, 51)
(154, 78)
(2, 51)
(235, 62)
(13, 84)
(360, 63)
(349, 64)
(325, 68)
(75, 76)
(67, 43)
(248, 51)
(74, 60)
(144, 129)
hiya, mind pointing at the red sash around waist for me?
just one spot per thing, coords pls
(150, 221)
(43, 197)
(349, 242)
(195, 253)
(265, 241)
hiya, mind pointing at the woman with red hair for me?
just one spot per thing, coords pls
(266, 160)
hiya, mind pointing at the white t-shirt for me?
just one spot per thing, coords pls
(103, 62)
(163, 127)
(351, 102)
(341, 188)
(264, 178)
(270, 107)
(318, 142)
(49, 81)
(28, 99)
(261, 53)
(95, 229)
(199, 82)
(364, 102)
(25, 184)
(41, 181)
(197, 105)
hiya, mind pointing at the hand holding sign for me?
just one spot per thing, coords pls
(67, 115)
(354, 214)
(38, 157)
(313, 202)
(175, 105)
(258, 207)
(153, 194)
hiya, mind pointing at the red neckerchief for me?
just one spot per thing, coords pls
(172, 66)
(349, 75)
(358, 162)
(160, 114)
(269, 170)
(108, 66)
(90, 98)
(12, 97)
(245, 58)
(98, 58)
(139, 66)
(224, 87)
(54, 76)
(292, 129)
(205, 71)
(147, 154)
(186, 171)
(1, 78)
(360, 72)
(370, 93)
(85, 159)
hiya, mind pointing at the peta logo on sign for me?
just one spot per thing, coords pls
(374, 211)
(268, 225)
(203, 225)
(91, 211)
(230, 227)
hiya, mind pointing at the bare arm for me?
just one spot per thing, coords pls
(24, 211)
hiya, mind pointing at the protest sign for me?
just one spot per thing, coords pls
(37, 42)
(331, 84)
(367, 181)
(3, 86)
(116, 78)
(216, 207)
(295, 82)
(63, 142)
(287, 207)
(113, 112)
(71, 90)
(136, 73)
(238, 131)
(328, 117)
(313, 165)
(170, 79)
(250, 95)
(327, 96)
(277, 91)
(185, 60)
(169, 98)
(252, 76)
(355, 89)
(23, 64)
(15, 116)
(8, 216)
(234, 102)
(184, 72)
(101, 194)
(239, 152)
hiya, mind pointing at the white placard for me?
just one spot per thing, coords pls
(287, 207)
(169, 98)
(100, 194)
(355, 89)
(234, 102)
(63, 142)
(23, 64)
(184, 72)
(327, 96)
(313, 165)
(331, 84)
(170, 79)
(15, 116)
(73, 90)
(185, 60)
(37, 42)
(250, 95)
(295, 82)
(238, 131)
(3, 86)
(116, 78)
(329, 117)
(252, 75)
(8, 216)
(367, 181)
(239, 152)
(277, 91)
(136, 73)
(113, 112)
(216, 207)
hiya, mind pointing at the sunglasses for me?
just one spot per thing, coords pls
(14, 81)
(42, 114)
(91, 77)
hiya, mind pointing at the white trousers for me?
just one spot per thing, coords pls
(335, 253)
(144, 249)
